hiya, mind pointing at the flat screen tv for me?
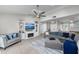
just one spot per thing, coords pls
(29, 26)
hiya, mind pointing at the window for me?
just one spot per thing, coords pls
(64, 27)
(53, 27)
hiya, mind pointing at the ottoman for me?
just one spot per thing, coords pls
(53, 44)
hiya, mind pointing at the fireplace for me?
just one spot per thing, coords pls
(30, 35)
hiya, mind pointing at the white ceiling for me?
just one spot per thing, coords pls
(66, 19)
(27, 9)
(24, 9)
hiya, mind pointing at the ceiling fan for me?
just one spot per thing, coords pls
(38, 13)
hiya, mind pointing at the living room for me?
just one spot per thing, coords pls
(38, 29)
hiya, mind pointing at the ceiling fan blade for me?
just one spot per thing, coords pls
(42, 12)
(35, 12)
(43, 15)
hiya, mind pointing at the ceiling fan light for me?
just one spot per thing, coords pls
(37, 16)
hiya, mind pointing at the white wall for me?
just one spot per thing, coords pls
(43, 27)
(8, 22)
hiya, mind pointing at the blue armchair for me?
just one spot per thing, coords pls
(70, 47)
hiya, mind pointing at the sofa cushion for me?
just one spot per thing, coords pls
(8, 37)
(72, 36)
(17, 34)
(66, 35)
(14, 35)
